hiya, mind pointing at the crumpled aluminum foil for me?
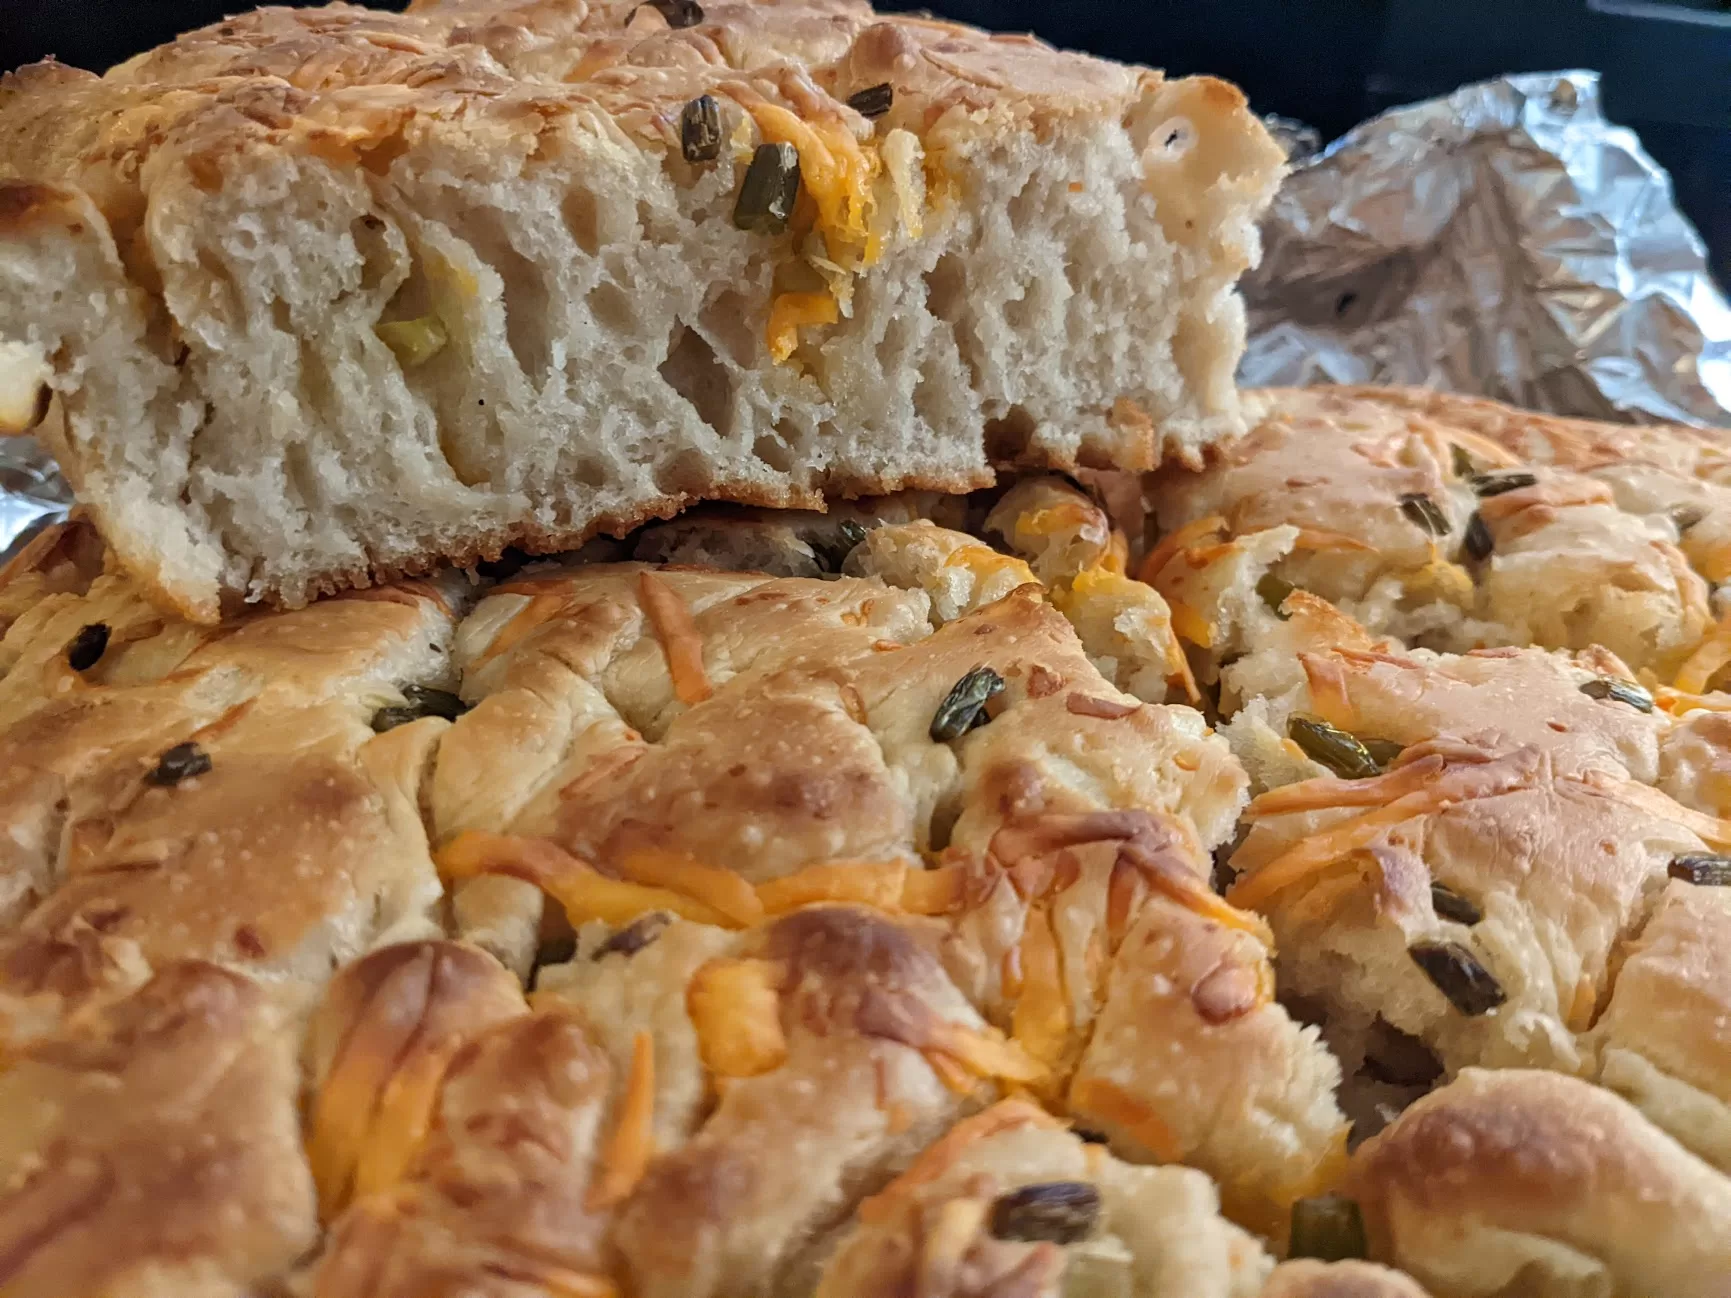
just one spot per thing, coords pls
(1504, 240)
(32, 492)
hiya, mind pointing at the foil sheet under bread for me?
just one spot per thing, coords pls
(1504, 240)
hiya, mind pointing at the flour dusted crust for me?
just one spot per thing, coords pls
(601, 345)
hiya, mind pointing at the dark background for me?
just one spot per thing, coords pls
(1666, 63)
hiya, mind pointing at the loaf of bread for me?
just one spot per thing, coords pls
(330, 295)
(781, 904)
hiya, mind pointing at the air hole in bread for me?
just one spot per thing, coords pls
(583, 220)
(526, 301)
(693, 370)
(373, 243)
(946, 287)
(611, 306)
(684, 474)
(723, 324)
(1008, 436)
(773, 452)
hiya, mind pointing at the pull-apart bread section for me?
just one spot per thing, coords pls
(328, 295)
(240, 794)
(729, 748)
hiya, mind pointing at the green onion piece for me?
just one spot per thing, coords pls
(1274, 591)
(1478, 542)
(1458, 975)
(636, 935)
(1494, 484)
(1063, 1212)
(1328, 1227)
(700, 129)
(1463, 463)
(419, 702)
(769, 190)
(679, 13)
(1382, 751)
(1686, 516)
(1449, 904)
(1423, 511)
(414, 342)
(1707, 869)
(181, 762)
(87, 647)
(964, 707)
(873, 101)
(1606, 687)
(1103, 1269)
(1334, 748)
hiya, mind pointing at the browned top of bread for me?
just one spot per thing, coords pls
(153, 1147)
(347, 81)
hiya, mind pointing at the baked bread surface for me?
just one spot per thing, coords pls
(630, 924)
(331, 295)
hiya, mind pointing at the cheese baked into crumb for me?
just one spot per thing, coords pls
(332, 295)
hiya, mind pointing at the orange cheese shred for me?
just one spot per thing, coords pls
(540, 610)
(1655, 802)
(584, 892)
(936, 891)
(939, 1156)
(1191, 625)
(873, 883)
(1040, 1022)
(403, 1117)
(1319, 851)
(713, 885)
(788, 312)
(1317, 538)
(1328, 792)
(1117, 557)
(671, 620)
(626, 1155)
(1175, 540)
(1095, 1097)
(1702, 665)
(983, 1052)
(735, 1008)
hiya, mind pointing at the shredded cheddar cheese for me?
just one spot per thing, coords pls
(671, 620)
(625, 1156)
(540, 610)
(1177, 539)
(1040, 1023)
(712, 885)
(401, 1121)
(584, 892)
(1095, 1097)
(1316, 538)
(789, 311)
(941, 1154)
(1709, 657)
(1191, 625)
(735, 1008)
(876, 883)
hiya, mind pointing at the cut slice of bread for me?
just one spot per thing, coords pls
(330, 295)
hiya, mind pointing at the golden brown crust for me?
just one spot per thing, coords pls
(218, 795)
(152, 1147)
(1311, 1279)
(1570, 1177)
